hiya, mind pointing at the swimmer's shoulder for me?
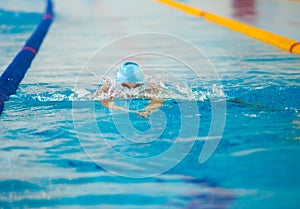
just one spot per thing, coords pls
(153, 88)
(103, 88)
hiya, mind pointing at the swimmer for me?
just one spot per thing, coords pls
(130, 77)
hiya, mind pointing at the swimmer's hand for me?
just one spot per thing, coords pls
(143, 114)
(153, 106)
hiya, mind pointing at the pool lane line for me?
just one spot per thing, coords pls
(15, 72)
(251, 31)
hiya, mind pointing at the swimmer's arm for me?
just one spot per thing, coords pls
(110, 104)
(154, 105)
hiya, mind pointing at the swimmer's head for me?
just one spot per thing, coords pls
(130, 72)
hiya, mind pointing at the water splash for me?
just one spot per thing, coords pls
(170, 89)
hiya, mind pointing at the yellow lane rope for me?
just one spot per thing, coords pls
(254, 32)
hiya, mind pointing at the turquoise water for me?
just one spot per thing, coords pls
(43, 161)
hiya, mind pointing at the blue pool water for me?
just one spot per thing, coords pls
(46, 129)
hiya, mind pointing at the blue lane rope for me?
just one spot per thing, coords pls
(15, 72)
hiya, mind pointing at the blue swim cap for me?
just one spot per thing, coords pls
(130, 72)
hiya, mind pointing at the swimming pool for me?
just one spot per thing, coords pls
(43, 164)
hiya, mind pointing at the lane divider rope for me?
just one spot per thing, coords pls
(16, 70)
(30, 49)
(251, 31)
